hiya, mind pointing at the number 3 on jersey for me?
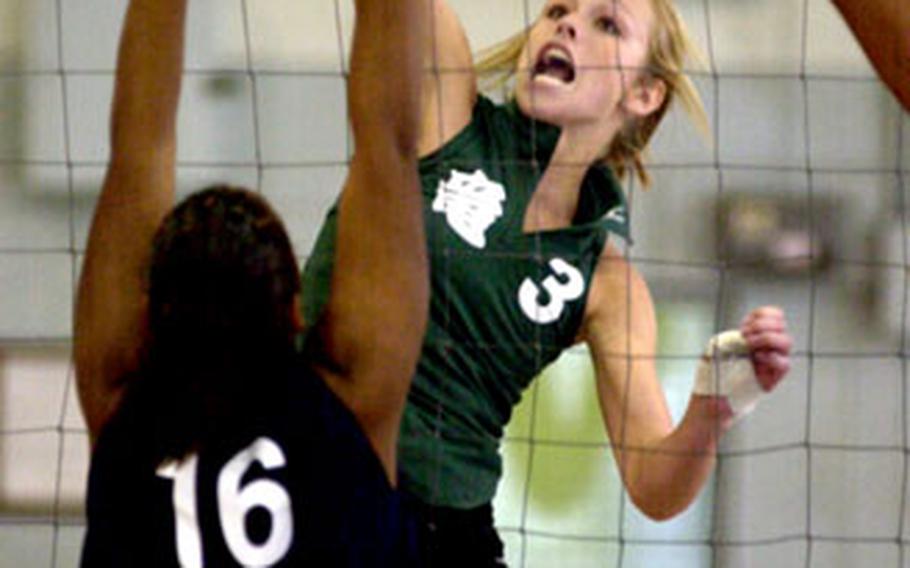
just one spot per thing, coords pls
(568, 287)
(234, 503)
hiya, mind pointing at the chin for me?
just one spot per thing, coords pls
(545, 108)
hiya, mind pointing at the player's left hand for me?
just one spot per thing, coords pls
(765, 332)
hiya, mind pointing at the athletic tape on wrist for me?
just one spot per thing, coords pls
(726, 370)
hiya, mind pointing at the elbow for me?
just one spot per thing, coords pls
(658, 512)
(385, 113)
(660, 505)
(392, 134)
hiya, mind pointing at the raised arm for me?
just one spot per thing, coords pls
(375, 319)
(664, 468)
(883, 30)
(450, 86)
(138, 191)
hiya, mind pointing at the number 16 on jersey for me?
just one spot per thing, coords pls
(235, 502)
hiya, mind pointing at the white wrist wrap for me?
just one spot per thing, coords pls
(726, 370)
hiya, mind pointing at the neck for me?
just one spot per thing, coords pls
(555, 198)
(578, 146)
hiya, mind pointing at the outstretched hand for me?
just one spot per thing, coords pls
(765, 332)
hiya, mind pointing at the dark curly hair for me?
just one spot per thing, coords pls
(221, 289)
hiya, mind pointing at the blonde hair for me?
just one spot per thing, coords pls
(670, 48)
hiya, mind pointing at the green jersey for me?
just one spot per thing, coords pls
(504, 303)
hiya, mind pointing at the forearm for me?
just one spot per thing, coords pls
(665, 476)
(384, 86)
(883, 30)
(140, 178)
(148, 77)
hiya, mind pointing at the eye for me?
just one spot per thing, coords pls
(608, 25)
(556, 11)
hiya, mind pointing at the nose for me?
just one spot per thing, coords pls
(566, 28)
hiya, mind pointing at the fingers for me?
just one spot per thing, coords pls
(765, 317)
(770, 368)
(765, 328)
(765, 331)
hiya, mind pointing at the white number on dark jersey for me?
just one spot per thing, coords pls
(560, 292)
(235, 502)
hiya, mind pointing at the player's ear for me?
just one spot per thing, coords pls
(645, 96)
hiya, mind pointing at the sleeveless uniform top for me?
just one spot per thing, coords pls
(302, 488)
(504, 304)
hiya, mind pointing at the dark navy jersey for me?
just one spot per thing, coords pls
(302, 488)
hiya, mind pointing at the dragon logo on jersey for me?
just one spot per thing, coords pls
(471, 204)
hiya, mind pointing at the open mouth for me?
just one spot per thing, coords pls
(555, 63)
